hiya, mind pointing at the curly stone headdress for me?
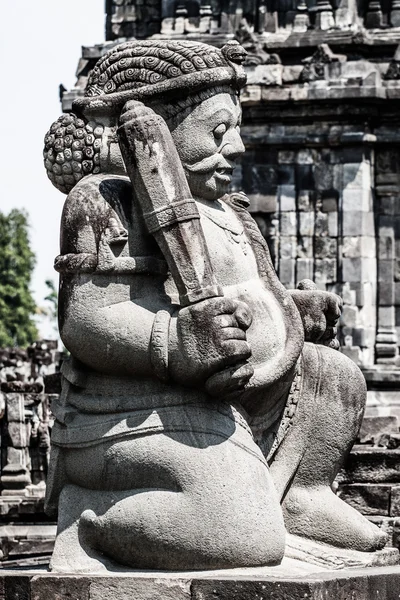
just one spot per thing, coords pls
(153, 71)
(149, 69)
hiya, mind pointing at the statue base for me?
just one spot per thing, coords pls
(287, 581)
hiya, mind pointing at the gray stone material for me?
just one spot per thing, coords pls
(198, 383)
(380, 582)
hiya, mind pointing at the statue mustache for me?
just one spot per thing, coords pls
(211, 163)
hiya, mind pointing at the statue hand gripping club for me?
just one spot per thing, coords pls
(161, 190)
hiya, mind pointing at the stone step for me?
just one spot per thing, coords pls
(372, 428)
(368, 464)
(372, 499)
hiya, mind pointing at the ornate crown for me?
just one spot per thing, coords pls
(147, 69)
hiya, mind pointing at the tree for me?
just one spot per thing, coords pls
(17, 261)
(49, 312)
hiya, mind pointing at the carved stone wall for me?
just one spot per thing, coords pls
(29, 379)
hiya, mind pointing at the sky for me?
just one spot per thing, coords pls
(40, 45)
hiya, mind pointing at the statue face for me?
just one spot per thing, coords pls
(209, 143)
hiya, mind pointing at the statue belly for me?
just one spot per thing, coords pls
(267, 334)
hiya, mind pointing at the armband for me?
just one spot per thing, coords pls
(159, 345)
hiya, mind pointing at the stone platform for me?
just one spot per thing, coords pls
(382, 583)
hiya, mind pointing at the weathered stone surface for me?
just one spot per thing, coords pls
(374, 465)
(380, 582)
(370, 499)
(373, 427)
(395, 501)
(165, 338)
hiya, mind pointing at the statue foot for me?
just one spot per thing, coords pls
(318, 514)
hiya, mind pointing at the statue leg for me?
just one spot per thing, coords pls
(153, 502)
(327, 421)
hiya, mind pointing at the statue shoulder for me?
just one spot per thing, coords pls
(91, 205)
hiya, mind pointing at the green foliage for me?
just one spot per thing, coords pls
(17, 261)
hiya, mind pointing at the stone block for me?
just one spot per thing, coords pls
(306, 224)
(251, 94)
(357, 222)
(286, 271)
(265, 75)
(365, 292)
(357, 175)
(274, 94)
(288, 223)
(17, 587)
(368, 499)
(265, 203)
(387, 205)
(15, 407)
(364, 336)
(286, 177)
(304, 177)
(385, 294)
(288, 247)
(325, 271)
(286, 157)
(330, 204)
(358, 269)
(287, 197)
(357, 199)
(397, 269)
(259, 179)
(305, 247)
(305, 200)
(140, 588)
(367, 315)
(324, 177)
(291, 74)
(304, 269)
(386, 247)
(347, 294)
(385, 270)
(321, 224)
(352, 155)
(337, 183)
(395, 501)
(351, 246)
(17, 433)
(386, 317)
(333, 224)
(349, 316)
(373, 465)
(325, 247)
(59, 588)
(373, 427)
(397, 293)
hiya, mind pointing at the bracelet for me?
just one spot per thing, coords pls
(159, 345)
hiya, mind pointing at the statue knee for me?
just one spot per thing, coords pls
(340, 375)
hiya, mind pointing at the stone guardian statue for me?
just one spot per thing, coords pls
(205, 411)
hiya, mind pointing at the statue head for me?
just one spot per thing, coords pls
(193, 86)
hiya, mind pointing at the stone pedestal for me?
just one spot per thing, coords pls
(244, 584)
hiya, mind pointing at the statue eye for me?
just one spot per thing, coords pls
(220, 130)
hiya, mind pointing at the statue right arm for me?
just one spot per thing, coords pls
(106, 315)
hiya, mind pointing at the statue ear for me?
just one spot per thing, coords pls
(72, 150)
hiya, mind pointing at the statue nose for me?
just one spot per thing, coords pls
(233, 146)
